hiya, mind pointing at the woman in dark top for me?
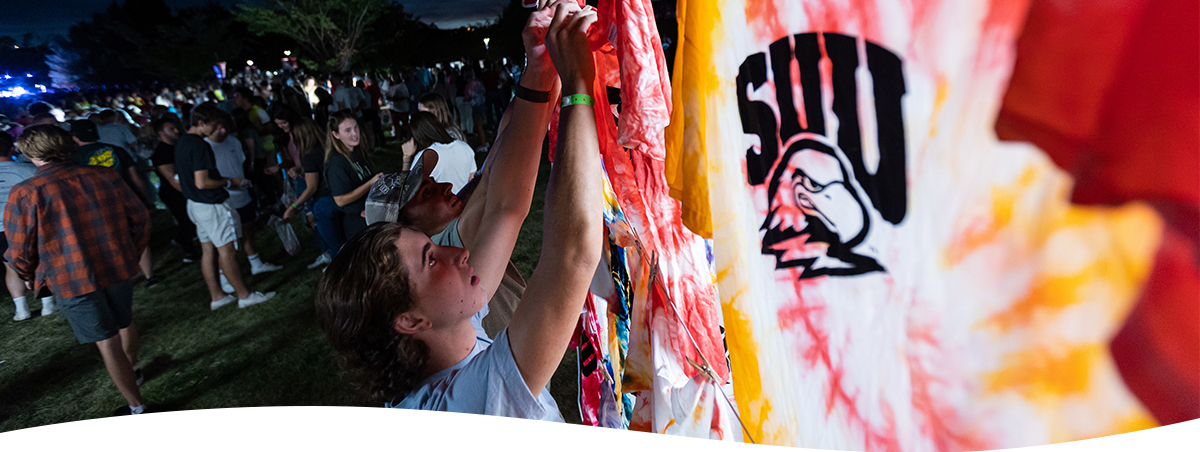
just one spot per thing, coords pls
(348, 171)
(326, 216)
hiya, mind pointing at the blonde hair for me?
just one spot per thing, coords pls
(437, 105)
(47, 142)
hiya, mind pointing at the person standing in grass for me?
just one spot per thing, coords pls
(314, 192)
(167, 128)
(95, 153)
(80, 230)
(13, 172)
(217, 223)
(230, 164)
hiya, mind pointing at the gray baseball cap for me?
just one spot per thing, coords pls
(392, 191)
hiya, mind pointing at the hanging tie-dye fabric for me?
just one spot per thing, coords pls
(892, 277)
(670, 337)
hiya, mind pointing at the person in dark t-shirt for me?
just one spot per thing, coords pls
(326, 218)
(348, 171)
(167, 128)
(217, 223)
(92, 153)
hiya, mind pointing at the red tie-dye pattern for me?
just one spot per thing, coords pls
(637, 176)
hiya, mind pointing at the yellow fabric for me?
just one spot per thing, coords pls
(687, 172)
(987, 321)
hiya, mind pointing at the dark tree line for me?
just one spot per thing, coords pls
(146, 40)
(141, 41)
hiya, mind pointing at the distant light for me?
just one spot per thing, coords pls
(16, 47)
(41, 87)
(6, 76)
(486, 41)
(249, 62)
(28, 74)
(287, 52)
(16, 91)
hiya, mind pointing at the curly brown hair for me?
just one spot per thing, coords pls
(363, 290)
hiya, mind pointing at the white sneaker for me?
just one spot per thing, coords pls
(265, 267)
(323, 259)
(255, 298)
(48, 306)
(222, 302)
(21, 315)
(225, 286)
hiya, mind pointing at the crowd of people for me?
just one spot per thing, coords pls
(422, 302)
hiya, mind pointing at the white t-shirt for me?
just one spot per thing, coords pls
(485, 382)
(456, 163)
(230, 158)
(344, 98)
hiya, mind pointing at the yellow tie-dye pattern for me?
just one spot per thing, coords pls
(1047, 333)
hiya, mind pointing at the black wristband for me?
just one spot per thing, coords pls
(537, 97)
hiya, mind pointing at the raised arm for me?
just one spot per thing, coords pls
(573, 226)
(495, 211)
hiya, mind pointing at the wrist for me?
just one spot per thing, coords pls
(578, 86)
(538, 79)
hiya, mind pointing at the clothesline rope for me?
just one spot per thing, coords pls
(705, 368)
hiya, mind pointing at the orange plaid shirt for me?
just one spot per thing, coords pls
(75, 229)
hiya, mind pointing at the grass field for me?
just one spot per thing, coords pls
(272, 354)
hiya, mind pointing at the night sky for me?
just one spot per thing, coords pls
(45, 18)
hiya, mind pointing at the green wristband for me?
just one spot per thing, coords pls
(577, 99)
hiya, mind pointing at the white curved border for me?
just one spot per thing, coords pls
(348, 429)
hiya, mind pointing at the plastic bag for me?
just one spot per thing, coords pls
(289, 195)
(287, 235)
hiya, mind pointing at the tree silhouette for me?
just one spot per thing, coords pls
(327, 30)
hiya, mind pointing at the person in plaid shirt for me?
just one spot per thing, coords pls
(80, 230)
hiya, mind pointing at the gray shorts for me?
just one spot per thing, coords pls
(101, 314)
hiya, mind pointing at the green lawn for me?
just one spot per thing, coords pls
(271, 354)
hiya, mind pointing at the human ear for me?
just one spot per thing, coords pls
(410, 323)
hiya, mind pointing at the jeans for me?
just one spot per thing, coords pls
(298, 187)
(329, 224)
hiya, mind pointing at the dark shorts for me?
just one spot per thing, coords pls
(3, 246)
(101, 314)
(248, 212)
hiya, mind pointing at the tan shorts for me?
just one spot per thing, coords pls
(218, 224)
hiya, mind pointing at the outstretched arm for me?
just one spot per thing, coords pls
(573, 229)
(496, 209)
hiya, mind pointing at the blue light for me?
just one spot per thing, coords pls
(6, 76)
(28, 74)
